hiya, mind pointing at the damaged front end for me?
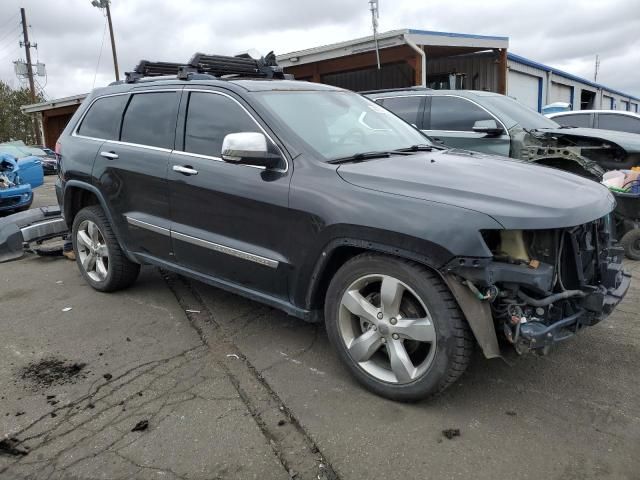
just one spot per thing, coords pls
(585, 152)
(541, 286)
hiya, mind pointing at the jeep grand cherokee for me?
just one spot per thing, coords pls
(316, 201)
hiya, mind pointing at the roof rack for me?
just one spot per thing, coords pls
(203, 66)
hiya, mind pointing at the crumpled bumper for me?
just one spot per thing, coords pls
(29, 226)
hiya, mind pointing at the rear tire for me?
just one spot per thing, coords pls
(100, 259)
(425, 343)
(631, 243)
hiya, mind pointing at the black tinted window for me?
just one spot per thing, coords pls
(621, 123)
(406, 108)
(209, 118)
(577, 120)
(150, 119)
(103, 118)
(454, 113)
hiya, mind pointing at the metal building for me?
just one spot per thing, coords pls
(442, 60)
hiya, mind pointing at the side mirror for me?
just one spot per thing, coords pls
(489, 127)
(248, 148)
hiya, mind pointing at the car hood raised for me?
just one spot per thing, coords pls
(516, 194)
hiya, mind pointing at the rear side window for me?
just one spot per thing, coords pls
(577, 120)
(407, 108)
(621, 123)
(150, 119)
(209, 118)
(455, 114)
(103, 118)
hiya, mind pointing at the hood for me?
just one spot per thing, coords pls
(518, 195)
(629, 141)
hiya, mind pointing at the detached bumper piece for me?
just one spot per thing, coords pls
(30, 226)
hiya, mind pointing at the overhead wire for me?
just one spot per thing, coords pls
(104, 35)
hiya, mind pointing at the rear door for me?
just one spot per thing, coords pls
(410, 108)
(451, 120)
(229, 221)
(575, 120)
(131, 172)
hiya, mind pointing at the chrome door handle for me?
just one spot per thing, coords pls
(109, 155)
(185, 170)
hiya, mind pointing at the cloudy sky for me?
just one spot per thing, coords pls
(565, 34)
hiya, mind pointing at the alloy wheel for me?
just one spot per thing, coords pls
(92, 251)
(387, 329)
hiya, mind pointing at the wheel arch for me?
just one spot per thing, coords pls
(77, 195)
(339, 251)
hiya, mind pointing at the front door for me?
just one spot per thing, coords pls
(229, 221)
(451, 120)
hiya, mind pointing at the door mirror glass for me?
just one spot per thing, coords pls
(248, 148)
(489, 127)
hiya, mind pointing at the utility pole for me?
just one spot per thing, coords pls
(32, 87)
(373, 4)
(105, 4)
(595, 75)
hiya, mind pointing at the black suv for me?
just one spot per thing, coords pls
(317, 201)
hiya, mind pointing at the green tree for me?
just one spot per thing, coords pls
(15, 125)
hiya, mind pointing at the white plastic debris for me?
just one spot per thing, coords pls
(233, 355)
(192, 311)
(67, 309)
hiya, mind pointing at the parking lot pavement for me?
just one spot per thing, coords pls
(574, 414)
(75, 383)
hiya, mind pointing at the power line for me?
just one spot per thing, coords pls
(6, 35)
(9, 21)
(104, 34)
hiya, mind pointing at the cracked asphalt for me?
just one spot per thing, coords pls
(234, 389)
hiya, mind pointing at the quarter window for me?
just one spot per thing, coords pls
(621, 123)
(407, 108)
(456, 114)
(150, 119)
(103, 118)
(209, 118)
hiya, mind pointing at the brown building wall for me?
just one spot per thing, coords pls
(54, 122)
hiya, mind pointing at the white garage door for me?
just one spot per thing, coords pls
(607, 102)
(560, 93)
(524, 88)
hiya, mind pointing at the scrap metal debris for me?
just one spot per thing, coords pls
(107, 376)
(449, 433)
(141, 426)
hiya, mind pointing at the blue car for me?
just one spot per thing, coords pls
(18, 178)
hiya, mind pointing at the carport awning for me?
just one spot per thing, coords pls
(436, 44)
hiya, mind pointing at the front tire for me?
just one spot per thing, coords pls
(397, 327)
(100, 259)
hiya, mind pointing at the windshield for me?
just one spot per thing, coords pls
(13, 150)
(339, 124)
(510, 111)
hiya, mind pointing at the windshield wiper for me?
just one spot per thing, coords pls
(419, 148)
(360, 157)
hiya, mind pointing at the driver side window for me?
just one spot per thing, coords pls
(210, 117)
